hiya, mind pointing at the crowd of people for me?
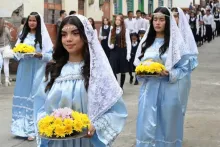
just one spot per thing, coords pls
(205, 22)
(81, 70)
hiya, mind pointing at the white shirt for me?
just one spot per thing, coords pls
(118, 30)
(146, 24)
(130, 24)
(100, 32)
(140, 23)
(208, 20)
(134, 44)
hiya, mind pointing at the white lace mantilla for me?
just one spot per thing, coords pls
(191, 47)
(177, 47)
(104, 90)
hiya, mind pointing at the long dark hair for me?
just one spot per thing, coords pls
(26, 30)
(123, 31)
(61, 56)
(152, 33)
(109, 23)
(2, 26)
(175, 10)
(134, 34)
(93, 22)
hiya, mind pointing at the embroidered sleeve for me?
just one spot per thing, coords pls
(110, 124)
(103, 126)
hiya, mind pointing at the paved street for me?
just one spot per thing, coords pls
(202, 123)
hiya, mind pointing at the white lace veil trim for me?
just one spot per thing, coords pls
(104, 90)
(187, 33)
(176, 48)
(47, 44)
(138, 52)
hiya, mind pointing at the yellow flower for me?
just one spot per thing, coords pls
(24, 48)
(78, 125)
(42, 128)
(59, 131)
(75, 114)
(149, 67)
(49, 119)
(49, 131)
(50, 126)
(85, 120)
(69, 129)
(58, 121)
(68, 121)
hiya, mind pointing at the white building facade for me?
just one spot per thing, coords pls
(90, 8)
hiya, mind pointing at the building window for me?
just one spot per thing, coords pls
(160, 3)
(150, 6)
(81, 7)
(130, 5)
(141, 5)
(170, 3)
(52, 10)
(118, 6)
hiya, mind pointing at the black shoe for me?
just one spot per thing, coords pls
(131, 79)
(136, 82)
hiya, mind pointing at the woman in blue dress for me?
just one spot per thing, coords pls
(192, 48)
(160, 115)
(35, 34)
(81, 78)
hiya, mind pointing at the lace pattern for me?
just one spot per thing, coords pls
(187, 34)
(104, 90)
(176, 45)
(154, 142)
(103, 124)
(24, 98)
(69, 78)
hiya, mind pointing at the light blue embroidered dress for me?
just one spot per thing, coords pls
(162, 103)
(29, 75)
(68, 90)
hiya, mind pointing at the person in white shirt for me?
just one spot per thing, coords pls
(146, 21)
(194, 25)
(201, 28)
(139, 21)
(119, 43)
(208, 21)
(130, 22)
(213, 29)
(103, 35)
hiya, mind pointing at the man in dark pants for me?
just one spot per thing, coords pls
(208, 20)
